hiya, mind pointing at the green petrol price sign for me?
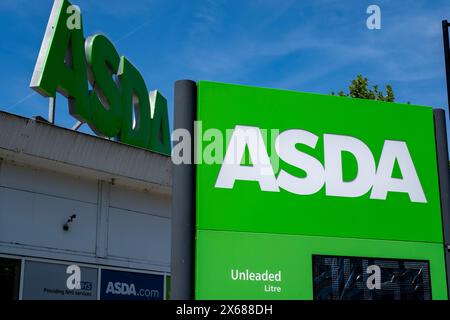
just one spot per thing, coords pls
(317, 197)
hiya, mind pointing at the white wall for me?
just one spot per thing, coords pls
(114, 226)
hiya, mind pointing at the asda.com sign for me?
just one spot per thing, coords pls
(119, 285)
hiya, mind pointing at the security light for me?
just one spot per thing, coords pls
(70, 220)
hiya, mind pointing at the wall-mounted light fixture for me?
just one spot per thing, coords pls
(70, 220)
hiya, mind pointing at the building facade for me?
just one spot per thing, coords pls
(71, 199)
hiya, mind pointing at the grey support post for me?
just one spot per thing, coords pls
(183, 198)
(51, 109)
(444, 183)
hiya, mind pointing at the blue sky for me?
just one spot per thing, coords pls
(312, 46)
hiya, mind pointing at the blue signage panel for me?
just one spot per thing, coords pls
(120, 285)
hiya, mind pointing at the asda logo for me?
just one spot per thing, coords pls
(104, 89)
(378, 180)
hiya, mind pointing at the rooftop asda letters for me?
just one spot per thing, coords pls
(121, 108)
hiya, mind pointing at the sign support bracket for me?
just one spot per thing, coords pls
(445, 26)
(444, 183)
(51, 109)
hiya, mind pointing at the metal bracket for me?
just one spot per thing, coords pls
(77, 125)
(51, 109)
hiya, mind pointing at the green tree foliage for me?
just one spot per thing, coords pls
(359, 88)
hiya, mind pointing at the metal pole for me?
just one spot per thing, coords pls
(183, 198)
(445, 26)
(51, 109)
(444, 183)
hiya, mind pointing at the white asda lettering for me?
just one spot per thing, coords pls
(369, 177)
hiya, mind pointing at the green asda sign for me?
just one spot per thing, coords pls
(119, 105)
(314, 189)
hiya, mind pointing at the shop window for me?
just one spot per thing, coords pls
(9, 279)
